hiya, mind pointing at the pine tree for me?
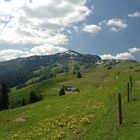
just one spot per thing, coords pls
(33, 97)
(4, 98)
(79, 75)
(73, 72)
(62, 91)
(23, 102)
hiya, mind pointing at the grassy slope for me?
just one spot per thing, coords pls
(88, 115)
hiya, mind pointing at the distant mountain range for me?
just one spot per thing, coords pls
(20, 70)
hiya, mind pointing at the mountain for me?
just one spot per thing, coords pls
(18, 71)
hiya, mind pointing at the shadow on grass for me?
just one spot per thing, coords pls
(130, 123)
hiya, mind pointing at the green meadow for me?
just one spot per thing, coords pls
(91, 114)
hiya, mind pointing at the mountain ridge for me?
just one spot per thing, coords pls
(17, 71)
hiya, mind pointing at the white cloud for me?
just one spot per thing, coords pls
(39, 21)
(123, 56)
(29, 35)
(92, 28)
(8, 54)
(107, 56)
(134, 50)
(115, 24)
(46, 50)
(54, 15)
(75, 28)
(135, 14)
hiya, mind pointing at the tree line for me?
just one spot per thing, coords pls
(4, 98)
(33, 96)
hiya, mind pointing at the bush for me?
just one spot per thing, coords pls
(62, 91)
(79, 75)
(109, 67)
(73, 72)
(23, 102)
(130, 67)
(34, 97)
(21, 86)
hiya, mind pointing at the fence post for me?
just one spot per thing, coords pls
(128, 91)
(131, 82)
(120, 108)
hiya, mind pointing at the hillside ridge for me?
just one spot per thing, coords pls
(18, 71)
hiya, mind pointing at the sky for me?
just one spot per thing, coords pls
(108, 28)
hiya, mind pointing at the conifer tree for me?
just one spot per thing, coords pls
(23, 102)
(62, 91)
(79, 75)
(33, 97)
(4, 98)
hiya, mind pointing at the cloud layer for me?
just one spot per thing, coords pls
(46, 25)
(122, 56)
(134, 50)
(9, 54)
(39, 22)
(135, 14)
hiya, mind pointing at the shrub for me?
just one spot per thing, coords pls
(34, 97)
(79, 75)
(73, 72)
(62, 91)
(21, 86)
(109, 67)
(23, 102)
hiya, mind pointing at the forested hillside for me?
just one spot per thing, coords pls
(18, 71)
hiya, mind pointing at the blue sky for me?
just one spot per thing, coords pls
(109, 28)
